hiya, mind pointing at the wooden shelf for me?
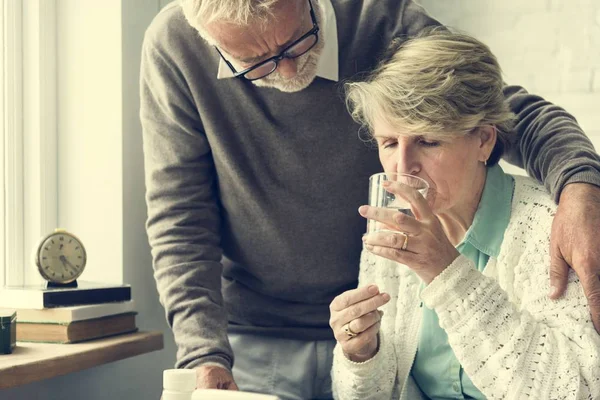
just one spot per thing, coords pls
(32, 362)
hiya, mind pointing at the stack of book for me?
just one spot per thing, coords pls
(70, 315)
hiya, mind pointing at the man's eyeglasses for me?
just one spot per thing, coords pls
(294, 50)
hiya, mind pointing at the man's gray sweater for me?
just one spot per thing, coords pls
(253, 193)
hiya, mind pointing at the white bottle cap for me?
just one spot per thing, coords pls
(214, 394)
(173, 395)
(179, 380)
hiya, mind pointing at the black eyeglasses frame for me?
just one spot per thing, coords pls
(242, 74)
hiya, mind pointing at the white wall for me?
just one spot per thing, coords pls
(550, 47)
(101, 183)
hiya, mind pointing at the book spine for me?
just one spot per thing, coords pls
(83, 297)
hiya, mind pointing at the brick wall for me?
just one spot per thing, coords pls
(550, 47)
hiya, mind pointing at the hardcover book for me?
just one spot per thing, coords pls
(78, 331)
(74, 313)
(40, 297)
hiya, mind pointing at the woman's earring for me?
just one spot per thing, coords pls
(485, 163)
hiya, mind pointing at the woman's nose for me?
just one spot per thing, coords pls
(287, 68)
(406, 160)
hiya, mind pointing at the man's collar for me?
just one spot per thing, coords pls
(327, 67)
(328, 62)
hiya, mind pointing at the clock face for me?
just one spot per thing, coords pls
(61, 258)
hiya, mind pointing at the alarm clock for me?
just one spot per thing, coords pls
(60, 259)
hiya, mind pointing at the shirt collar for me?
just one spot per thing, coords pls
(327, 67)
(486, 233)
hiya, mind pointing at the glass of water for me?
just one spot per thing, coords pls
(379, 197)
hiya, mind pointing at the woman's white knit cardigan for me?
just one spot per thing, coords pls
(511, 340)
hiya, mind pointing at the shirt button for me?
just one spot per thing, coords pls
(456, 387)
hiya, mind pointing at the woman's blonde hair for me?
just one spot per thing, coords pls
(439, 83)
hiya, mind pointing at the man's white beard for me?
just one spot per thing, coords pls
(306, 66)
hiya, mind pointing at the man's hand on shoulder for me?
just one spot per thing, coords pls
(574, 243)
(214, 377)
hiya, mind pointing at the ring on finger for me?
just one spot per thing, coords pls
(349, 332)
(405, 244)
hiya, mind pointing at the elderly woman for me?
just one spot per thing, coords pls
(463, 284)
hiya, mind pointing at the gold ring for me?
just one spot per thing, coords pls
(349, 332)
(405, 244)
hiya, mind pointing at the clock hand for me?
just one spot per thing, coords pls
(72, 266)
(66, 262)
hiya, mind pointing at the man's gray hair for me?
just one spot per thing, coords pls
(199, 13)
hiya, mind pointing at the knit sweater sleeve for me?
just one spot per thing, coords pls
(513, 341)
(374, 378)
(549, 143)
(183, 213)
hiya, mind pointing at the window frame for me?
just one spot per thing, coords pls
(13, 141)
(2, 112)
(30, 134)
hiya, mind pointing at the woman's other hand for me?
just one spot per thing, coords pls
(355, 321)
(418, 242)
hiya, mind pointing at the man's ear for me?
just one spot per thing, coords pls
(487, 141)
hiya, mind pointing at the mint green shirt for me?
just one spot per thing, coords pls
(436, 369)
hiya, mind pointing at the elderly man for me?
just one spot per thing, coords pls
(254, 173)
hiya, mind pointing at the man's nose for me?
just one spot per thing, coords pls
(287, 68)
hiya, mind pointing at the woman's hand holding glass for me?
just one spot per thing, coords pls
(418, 242)
(355, 321)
